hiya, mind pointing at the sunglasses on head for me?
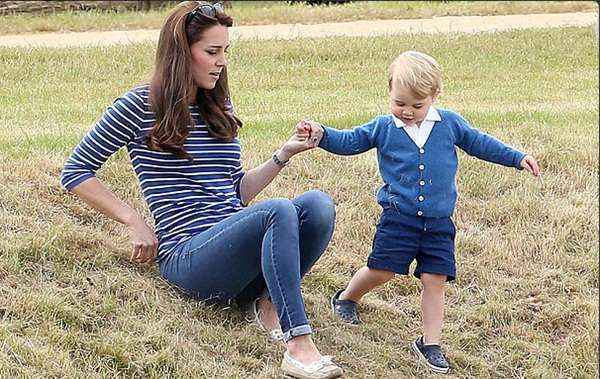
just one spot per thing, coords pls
(205, 9)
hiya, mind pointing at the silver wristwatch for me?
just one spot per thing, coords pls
(279, 162)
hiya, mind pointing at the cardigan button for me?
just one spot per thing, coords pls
(419, 213)
(421, 167)
(421, 198)
(421, 150)
(422, 183)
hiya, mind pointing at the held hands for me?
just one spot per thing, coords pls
(530, 164)
(310, 131)
(145, 244)
(307, 136)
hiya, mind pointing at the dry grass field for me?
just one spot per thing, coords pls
(526, 300)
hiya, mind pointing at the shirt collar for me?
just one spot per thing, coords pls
(432, 115)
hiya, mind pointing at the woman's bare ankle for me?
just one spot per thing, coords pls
(302, 349)
(268, 314)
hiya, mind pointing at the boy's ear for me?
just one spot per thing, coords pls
(435, 95)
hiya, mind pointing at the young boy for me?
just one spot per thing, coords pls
(418, 162)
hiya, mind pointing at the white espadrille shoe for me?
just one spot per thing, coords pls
(321, 369)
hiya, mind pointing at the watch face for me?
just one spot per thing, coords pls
(278, 161)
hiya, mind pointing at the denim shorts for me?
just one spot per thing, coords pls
(400, 239)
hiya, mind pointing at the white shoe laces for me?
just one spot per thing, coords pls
(275, 334)
(323, 363)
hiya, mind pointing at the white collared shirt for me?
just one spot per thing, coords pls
(419, 134)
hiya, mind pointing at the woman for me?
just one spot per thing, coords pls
(180, 132)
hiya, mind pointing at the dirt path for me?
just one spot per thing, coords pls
(462, 24)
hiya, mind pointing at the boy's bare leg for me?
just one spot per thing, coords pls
(432, 307)
(363, 281)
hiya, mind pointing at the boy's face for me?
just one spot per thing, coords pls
(409, 109)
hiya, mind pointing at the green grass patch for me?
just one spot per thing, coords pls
(281, 12)
(525, 302)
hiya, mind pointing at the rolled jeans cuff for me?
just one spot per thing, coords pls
(297, 331)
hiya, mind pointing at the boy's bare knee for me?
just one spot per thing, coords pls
(380, 274)
(433, 281)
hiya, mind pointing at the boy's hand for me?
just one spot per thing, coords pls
(530, 164)
(303, 130)
(314, 130)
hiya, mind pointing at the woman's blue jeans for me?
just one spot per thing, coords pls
(272, 243)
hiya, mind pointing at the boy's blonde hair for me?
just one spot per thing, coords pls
(418, 72)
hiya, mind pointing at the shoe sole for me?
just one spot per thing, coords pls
(420, 355)
(289, 376)
(292, 376)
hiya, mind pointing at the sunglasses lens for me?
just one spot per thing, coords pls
(208, 10)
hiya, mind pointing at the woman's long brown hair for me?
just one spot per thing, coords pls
(173, 85)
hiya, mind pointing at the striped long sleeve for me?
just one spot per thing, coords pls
(184, 196)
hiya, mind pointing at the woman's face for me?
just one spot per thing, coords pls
(209, 56)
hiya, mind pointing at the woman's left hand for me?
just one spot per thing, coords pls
(304, 138)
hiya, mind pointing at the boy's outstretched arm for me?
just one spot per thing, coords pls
(483, 146)
(343, 142)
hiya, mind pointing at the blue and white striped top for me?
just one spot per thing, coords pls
(185, 197)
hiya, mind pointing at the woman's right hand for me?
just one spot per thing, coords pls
(144, 241)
